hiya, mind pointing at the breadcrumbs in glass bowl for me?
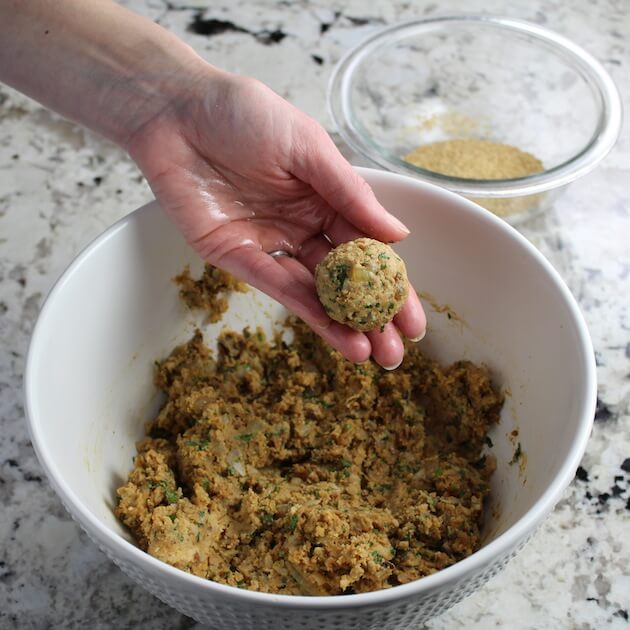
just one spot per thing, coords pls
(499, 110)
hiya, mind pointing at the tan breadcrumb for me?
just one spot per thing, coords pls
(472, 158)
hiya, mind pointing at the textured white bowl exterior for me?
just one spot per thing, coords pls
(88, 391)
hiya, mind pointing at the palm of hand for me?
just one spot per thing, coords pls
(246, 174)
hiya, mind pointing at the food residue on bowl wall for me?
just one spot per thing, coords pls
(518, 456)
(209, 292)
(440, 308)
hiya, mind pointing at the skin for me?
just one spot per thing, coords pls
(239, 170)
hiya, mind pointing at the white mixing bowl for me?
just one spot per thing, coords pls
(89, 390)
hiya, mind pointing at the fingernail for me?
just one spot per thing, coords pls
(399, 225)
(420, 338)
(392, 367)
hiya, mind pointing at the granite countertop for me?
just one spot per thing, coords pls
(60, 186)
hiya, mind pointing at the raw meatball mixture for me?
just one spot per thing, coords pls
(282, 467)
(209, 292)
(362, 283)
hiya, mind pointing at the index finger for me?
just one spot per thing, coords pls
(318, 162)
(281, 280)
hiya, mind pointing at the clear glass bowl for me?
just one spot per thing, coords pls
(484, 77)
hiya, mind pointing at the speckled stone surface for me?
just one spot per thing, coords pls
(60, 186)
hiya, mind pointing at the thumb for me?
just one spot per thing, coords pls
(317, 161)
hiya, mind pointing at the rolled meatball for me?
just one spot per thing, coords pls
(362, 284)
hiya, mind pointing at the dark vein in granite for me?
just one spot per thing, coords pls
(209, 27)
(581, 474)
(602, 411)
(620, 489)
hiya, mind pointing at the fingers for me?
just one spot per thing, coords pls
(352, 344)
(313, 251)
(263, 272)
(297, 270)
(291, 284)
(341, 231)
(411, 319)
(317, 161)
(387, 347)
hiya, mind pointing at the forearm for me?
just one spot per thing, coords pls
(94, 62)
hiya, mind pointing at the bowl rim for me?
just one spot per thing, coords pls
(119, 549)
(605, 136)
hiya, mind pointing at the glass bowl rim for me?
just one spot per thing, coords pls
(606, 133)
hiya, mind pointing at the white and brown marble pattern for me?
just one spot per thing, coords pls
(60, 186)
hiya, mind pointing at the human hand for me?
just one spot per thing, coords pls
(243, 173)
(239, 170)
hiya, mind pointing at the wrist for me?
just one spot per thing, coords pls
(159, 77)
(98, 63)
(171, 101)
